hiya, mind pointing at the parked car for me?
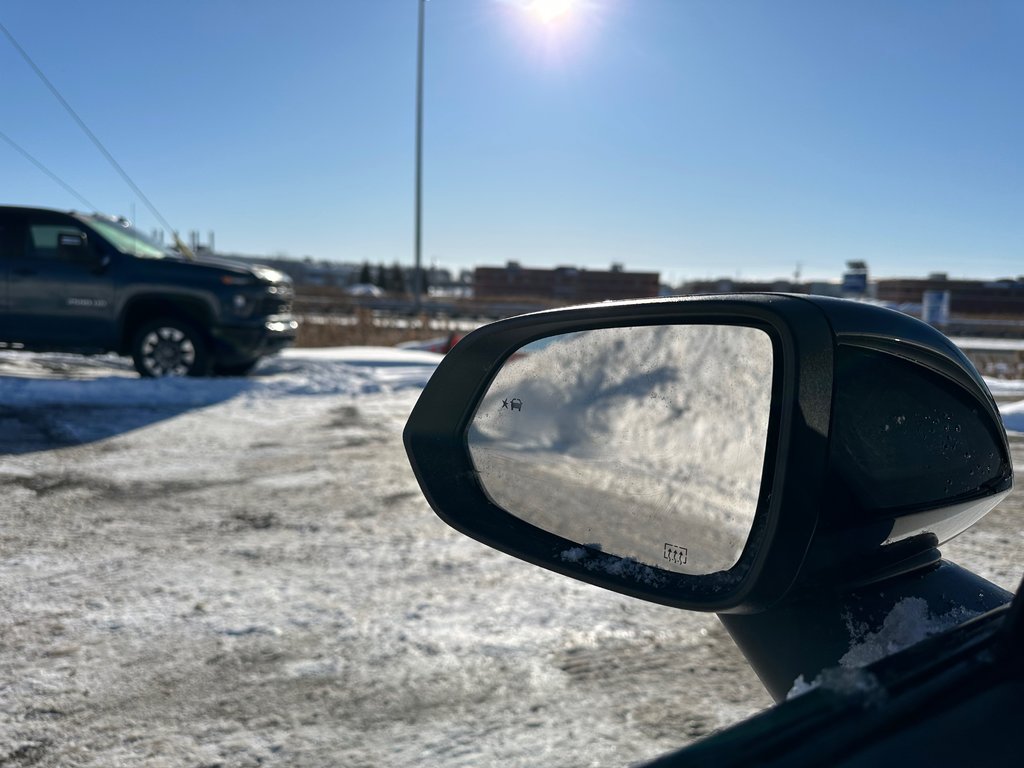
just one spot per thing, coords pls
(364, 289)
(791, 463)
(91, 284)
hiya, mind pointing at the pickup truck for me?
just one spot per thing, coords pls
(92, 284)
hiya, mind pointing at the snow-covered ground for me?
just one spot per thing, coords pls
(243, 572)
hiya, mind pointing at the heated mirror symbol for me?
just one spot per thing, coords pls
(646, 442)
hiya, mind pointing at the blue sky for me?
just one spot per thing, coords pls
(699, 139)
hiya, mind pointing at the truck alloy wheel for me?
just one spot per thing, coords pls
(169, 348)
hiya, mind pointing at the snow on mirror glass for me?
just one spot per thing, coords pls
(646, 443)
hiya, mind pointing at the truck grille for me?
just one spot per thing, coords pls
(275, 305)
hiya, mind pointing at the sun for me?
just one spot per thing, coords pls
(551, 11)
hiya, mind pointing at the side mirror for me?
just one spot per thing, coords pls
(711, 453)
(74, 247)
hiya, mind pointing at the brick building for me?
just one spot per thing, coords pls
(973, 298)
(563, 284)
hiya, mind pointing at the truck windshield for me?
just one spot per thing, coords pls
(127, 239)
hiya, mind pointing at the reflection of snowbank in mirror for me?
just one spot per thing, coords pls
(645, 442)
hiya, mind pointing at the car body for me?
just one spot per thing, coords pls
(90, 284)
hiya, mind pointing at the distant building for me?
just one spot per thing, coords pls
(563, 284)
(855, 280)
(970, 298)
(728, 285)
(948, 299)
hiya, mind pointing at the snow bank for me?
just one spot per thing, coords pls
(1013, 415)
(335, 371)
(48, 401)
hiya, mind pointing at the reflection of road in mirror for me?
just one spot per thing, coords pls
(644, 442)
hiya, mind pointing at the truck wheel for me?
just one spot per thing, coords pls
(235, 369)
(169, 347)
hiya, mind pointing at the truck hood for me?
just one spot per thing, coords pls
(260, 272)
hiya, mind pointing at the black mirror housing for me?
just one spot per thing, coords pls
(74, 247)
(833, 506)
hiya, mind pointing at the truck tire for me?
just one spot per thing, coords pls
(169, 347)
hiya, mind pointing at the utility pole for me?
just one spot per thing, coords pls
(418, 236)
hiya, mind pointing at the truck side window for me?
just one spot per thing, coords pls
(44, 239)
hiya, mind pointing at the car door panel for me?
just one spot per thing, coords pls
(54, 299)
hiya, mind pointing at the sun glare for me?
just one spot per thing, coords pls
(554, 32)
(551, 11)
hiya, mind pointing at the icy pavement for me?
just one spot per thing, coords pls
(244, 572)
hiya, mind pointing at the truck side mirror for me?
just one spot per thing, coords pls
(73, 247)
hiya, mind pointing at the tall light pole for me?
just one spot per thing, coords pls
(418, 229)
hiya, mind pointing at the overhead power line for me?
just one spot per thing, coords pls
(85, 128)
(46, 170)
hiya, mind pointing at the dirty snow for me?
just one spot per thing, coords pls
(846, 681)
(244, 572)
(908, 623)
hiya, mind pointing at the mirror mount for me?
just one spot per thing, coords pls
(828, 628)
(101, 263)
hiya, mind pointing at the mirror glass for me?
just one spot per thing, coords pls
(646, 443)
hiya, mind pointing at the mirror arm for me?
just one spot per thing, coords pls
(805, 636)
(101, 264)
